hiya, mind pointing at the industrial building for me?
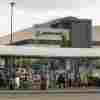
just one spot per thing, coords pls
(68, 32)
(78, 33)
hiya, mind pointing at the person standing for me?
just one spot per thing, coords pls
(43, 82)
(61, 81)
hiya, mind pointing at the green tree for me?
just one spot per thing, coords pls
(23, 61)
(66, 42)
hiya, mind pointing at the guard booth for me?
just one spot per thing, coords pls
(49, 67)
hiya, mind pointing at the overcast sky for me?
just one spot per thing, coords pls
(28, 12)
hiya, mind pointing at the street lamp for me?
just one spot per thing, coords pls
(12, 4)
(11, 67)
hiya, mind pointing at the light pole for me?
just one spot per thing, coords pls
(12, 4)
(11, 67)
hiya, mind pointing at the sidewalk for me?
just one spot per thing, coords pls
(55, 91)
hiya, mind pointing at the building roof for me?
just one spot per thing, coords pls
(60, 20)
(24, 37)
(18, 36)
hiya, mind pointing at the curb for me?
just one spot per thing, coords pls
(13, 92)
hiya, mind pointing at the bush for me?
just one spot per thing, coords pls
(26, 84)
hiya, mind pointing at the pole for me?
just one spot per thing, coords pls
(11, 80)
(11, 24)
(12, 6)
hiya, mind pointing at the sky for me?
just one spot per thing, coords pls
(29, 12)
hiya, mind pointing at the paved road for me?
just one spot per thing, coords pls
(52, 97)
(55, 91)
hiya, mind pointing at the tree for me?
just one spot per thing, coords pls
(23, 61)
(66, 42)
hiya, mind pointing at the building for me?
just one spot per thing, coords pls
(79, 30)
(78, 33)
(51, 34)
